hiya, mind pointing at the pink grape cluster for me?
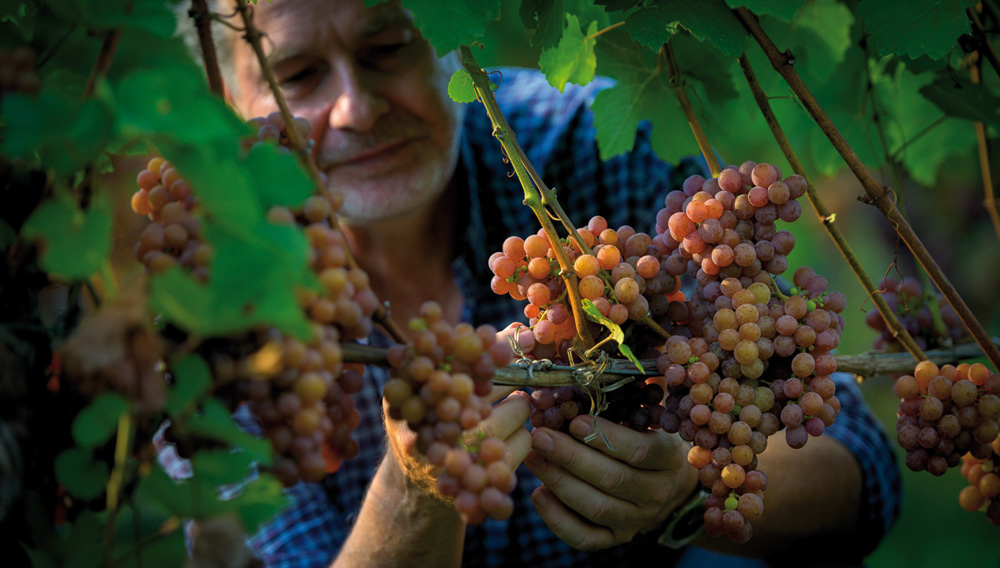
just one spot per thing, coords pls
(173, 236)
(913, 310)
(305, 401)
(438, 386)
(742, 360)
(617, 269)
(758, 361)
(945, 412)
(983, 491)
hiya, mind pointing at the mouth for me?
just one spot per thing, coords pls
(378, 156)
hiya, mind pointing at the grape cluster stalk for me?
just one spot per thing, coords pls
(741, 359)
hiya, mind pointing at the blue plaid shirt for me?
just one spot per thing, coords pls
(557, 133)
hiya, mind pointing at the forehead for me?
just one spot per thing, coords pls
(309, 21)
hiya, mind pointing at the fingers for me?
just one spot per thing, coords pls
(594, 505)
(567, 525)
(563, 464)
(507, 417)
(518, 447)
(652, 450)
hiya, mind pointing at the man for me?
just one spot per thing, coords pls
(427, 199)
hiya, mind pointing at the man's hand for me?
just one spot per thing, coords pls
(594, 497)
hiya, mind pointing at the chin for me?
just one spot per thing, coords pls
(383, 201)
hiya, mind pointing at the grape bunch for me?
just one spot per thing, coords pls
(439, 384)
(273, 129)
(17, 71)
(757, 360)
(945, 412)
(621, 275)
(303, 401)
(913, 310)
(983, 491)
(741, 359)
(173, 236)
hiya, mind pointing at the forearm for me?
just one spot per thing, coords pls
(401, 525)
(814, 494)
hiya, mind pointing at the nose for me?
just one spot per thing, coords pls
(357, 104)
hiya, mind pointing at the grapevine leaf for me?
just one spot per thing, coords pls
(95, 424)
(167, 101)
(819, 38)
(221, 466)
(242, 291)
(546, 19)
(80, 473)
(7, 235)
(617, 5)
(963, 100)
(617, 335)
(461, 89)
(192, 380)
(217, 423)
(83, 547)
(256, 502)
(66, 136)
(164, 550)
(705, 19)
(919, 132)
(915, 27)
(783, 9)
(448, 25)
(259, 501)
(151, 16)
(277, 177)
(627, 352)
(619, 110)
(75, 243)
(573, 61)
(594, 315)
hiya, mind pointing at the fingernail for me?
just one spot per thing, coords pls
(541, 441)
(580, 428)
(539, 497)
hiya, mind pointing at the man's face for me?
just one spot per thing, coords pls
(372, 88)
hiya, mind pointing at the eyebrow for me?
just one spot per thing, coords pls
(372, 27)
(385, 20)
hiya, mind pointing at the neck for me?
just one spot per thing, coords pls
(408, 258)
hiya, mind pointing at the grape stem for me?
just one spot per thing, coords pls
(876, 194)
(203, 24)
(253, 36)
(532, 194)
(826, 219)
(123, 443)
(929, 293)
(667, 58)
(989, 201)
(985, 49)
(867, 364)
(104, 58)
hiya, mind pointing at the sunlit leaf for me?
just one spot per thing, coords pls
(573, 61)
